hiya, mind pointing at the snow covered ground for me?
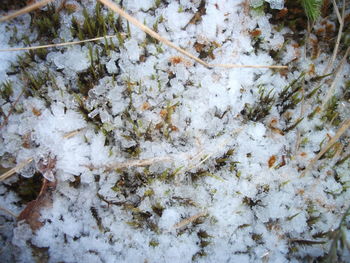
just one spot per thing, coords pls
(159, 159)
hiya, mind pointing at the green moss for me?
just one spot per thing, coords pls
(154, 243)
(46, 22)
(312, 8)
(331, 114)
(98, 219)
(291, 95)
(89, 78)
(293, 126)
(94, 25)
(6, 90)
(27, 189)
(158, 209)
(261, 108)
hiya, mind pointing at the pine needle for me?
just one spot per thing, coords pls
(312, 8)
(25, 10)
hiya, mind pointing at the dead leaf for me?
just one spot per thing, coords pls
(31, 213)
(272, 161)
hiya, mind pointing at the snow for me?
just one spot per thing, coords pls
(74, 59)
(186, 122)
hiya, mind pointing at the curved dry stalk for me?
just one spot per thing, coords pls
(341, 130)
(341, 19)
(115, 8)
(6, 119)
(58, 44)
(8, 212)
(15, 169)
(25, 10)
(133, 163)
(245, 66)
(333, 85)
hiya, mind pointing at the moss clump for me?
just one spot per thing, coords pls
(261, 108)
(46, 22)
(95, 25)
(6, 90)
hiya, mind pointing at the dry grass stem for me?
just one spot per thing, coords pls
(330, 91)
(136, 163)
(244, 66)
(341, 26)
(189, 220)
(25, 10)
(8, 212)
(155, 35)
(14, 170)
(11, 110)
(59, 44)
(341, 130)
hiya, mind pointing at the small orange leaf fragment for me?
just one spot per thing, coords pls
(163, 113)
(36, 112)
(303, 154)
(272, 161)
(145, 106)
(255, 33)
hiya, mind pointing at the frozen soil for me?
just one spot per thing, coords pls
(143, 155)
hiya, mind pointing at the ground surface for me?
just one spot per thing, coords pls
(150, 157)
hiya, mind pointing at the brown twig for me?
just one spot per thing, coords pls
(341, 130)
(11, 110)
(25, 10)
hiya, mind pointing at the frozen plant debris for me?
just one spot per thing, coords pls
(132, 152)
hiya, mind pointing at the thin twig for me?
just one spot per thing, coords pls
(11, 110)
(155, 35)
(341, 26)
(334, 139)
(244, 66)
(59, 44)
(25, 10)
(337, 10)
(8, 211)
(15, 169)
(333, 85)
(133, 163)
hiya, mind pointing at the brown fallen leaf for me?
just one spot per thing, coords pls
(31, 214)
(272, 161)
